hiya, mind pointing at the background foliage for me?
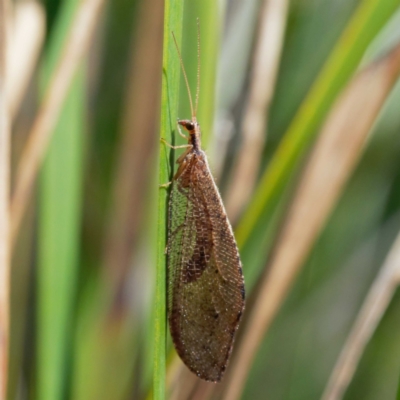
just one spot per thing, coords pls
(88, 270)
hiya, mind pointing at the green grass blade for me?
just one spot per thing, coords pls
(105, 348)
(169, 107)
(60, 184)
(368, 19)
(59, 216)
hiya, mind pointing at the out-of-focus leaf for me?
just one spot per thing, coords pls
(60, 200)
(366, 22)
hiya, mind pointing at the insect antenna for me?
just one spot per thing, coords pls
(184, 75)
(198, 68)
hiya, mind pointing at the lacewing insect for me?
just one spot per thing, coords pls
(205, 282)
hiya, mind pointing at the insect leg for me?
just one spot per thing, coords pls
(184, 146)
(180, 131)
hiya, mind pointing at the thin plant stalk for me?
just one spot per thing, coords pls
(237, 39)
(371, 313)
(27, 38)
(272, 23)
(173, 13)
(5, 143)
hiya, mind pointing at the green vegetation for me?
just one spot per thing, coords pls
(91, 250)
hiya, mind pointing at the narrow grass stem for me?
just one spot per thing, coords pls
(5, 143)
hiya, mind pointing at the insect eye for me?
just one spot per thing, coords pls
(189, 126)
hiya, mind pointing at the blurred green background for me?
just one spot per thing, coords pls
(85, 303)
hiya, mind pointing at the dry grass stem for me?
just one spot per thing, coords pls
(181, 382)
(333, 160)
(375, 305)
(173, 377)
(187, 386)
(5, 143)
(267, 53)
(76, 46)
(27, 36)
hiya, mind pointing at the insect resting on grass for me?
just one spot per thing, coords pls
(205, 281)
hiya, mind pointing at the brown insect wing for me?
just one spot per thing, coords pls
(205, 281)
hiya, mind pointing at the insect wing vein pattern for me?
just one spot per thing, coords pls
(205, 281)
